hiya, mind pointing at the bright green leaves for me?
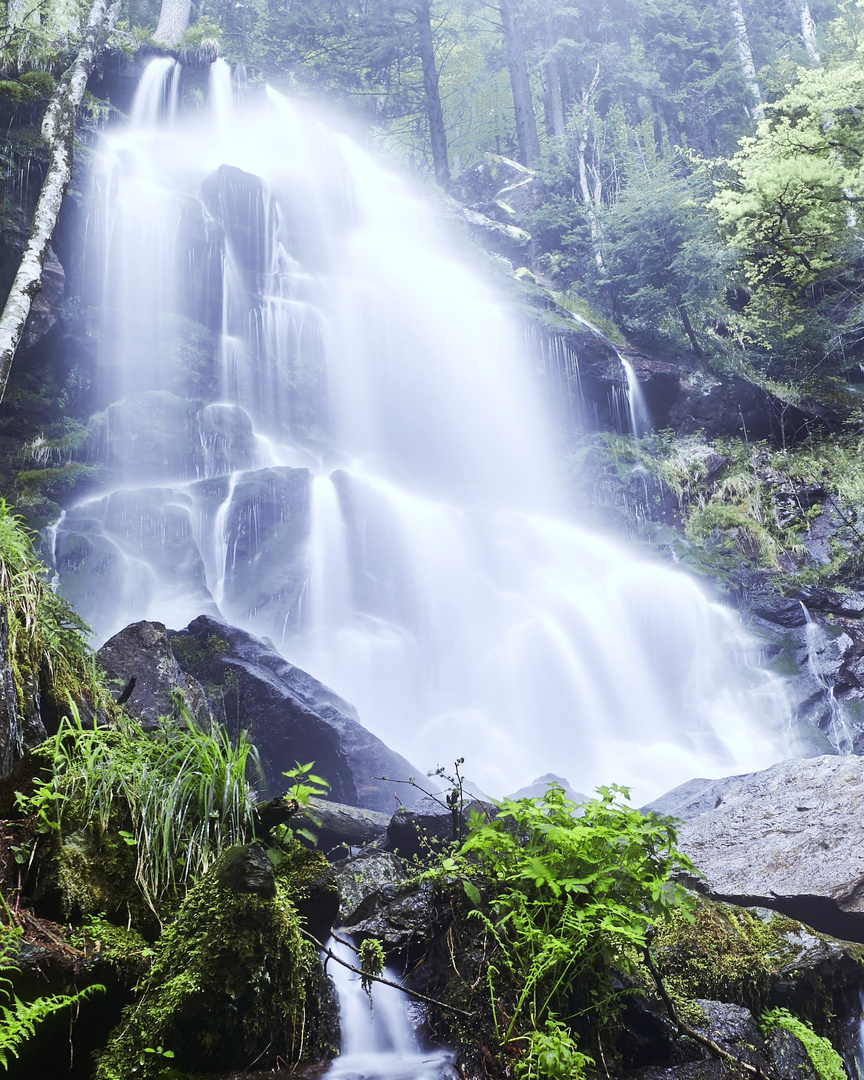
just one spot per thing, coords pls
(560, 893)
(791, 206)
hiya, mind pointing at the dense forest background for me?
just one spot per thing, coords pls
(701, 160)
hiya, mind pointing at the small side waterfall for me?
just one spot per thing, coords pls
(377, 1037)
(318, 423)
(839, 732)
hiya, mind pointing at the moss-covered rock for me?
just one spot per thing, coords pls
(234, 980)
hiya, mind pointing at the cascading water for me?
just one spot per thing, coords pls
(377, 1038)
(320, 424)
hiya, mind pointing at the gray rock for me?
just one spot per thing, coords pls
(789, 838)
(290, 715)
(141, 652)
(428, 824)
(398, 915)
(537, 789)
(362, 876)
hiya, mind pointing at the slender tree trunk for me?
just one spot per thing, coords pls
(431, 96)
(520, 84)
(58, 133)
(688, 327)
(550, 81)
(808, 33)
(173, 20)
(590, 184)
(745, 55)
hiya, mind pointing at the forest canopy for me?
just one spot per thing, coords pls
(697, 164)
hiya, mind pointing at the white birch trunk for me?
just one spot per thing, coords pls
(592, 195)
(745, 55)
(808, 33)
(58, 133)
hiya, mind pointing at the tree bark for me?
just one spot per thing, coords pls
(173, 20)
(58, 134)
(590, 183)
(520, 83)
(431, 96)
(808, 33)
(745, 55)
(550, 82)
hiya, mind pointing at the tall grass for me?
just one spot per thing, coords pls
(47, 640)
(181, 795)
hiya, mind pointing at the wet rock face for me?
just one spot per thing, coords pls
(290, 715)
(788, 838)
(141, 652)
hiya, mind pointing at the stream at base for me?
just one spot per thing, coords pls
(318, 423)
(378, 1041)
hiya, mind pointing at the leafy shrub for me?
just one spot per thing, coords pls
(42, 83)
(562, 893)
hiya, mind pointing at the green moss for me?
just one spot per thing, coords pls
(42, 83)
(723, 954)
(823, 1057)
(96, 877)
(16, 91)
(187, 652)
(218, 645)
(233, 981)
(120, 946)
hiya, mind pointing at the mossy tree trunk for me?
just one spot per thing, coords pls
(58, 133)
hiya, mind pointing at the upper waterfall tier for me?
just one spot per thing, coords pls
(319, 423)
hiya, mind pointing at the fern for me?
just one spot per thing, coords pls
(19, 1019)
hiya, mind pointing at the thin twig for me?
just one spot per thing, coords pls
(685, 1029)
(384, 982)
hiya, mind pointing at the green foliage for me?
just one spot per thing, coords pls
(47, 640)
(19, 1019)
(562, 893)
(42, 83)
(181, 796)
(824, 1058)
(233, 979)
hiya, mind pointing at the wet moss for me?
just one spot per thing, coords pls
(722, 953)
(95, 876)
(233, 981)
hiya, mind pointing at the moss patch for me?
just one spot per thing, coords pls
(233, 981)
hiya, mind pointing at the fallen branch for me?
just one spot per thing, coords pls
(383, 981)
(685, 1029)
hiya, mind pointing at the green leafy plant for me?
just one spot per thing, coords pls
(305, 786)
(181, 796)
(19, 1019)
(562, 894)
(824, 1058)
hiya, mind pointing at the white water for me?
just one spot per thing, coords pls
(377, 1038)
(430, 575)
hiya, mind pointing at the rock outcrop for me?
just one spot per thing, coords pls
(290, 716)
(788, 838)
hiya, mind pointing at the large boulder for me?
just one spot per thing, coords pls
(141, 652)
(786, 838)
(290, 716)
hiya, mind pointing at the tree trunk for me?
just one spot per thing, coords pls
(520, 84)
(173, 20)
(431, 96)
(590, 184)
(550, 81)
(808, 33)
(745, 55)
(58, 133)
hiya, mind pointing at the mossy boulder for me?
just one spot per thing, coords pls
(760, 960)
(234, 980)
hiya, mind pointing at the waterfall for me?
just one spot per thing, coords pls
(316, 421)
(377, 1037)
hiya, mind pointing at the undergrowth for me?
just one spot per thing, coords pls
(561, 895)
(179, 796)
(19, 1019)
(47, 640)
